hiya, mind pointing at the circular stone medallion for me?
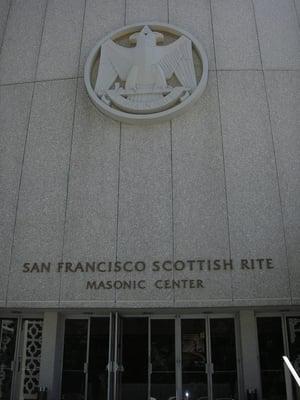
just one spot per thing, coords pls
(146, 72)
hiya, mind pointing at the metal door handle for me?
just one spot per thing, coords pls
(12, 366)
(19, 363)
(109, 367)
(212, 368)
(85, 367)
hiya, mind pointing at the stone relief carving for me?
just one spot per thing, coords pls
(146, 72)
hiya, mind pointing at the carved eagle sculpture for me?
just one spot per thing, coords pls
(145, 70)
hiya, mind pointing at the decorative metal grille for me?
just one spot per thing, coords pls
(31, 359)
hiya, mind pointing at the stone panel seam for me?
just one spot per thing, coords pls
(172, 203)
(42, 81)
(118, 203)
(24, 152)
(209, 69)
(168, 10)
(5, 26)
(223, 155)
(119, 175)
(274, 151)
(70, 155)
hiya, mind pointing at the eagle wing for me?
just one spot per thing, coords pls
(115, 61)
(177, 58)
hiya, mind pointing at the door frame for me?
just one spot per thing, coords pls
(178, 351)
(209, 365)
(114, 316)
(110, 365)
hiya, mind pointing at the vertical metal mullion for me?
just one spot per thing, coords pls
(86, 366)
(287, 375)
(209, 359)
(110, 355)
(149, 358)
(238, 353)
(115, 363)
(178, 365)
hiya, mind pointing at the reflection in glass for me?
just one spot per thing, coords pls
(293, 324)
(135, 359)
(223, 356)
(98, 359)
(163, 359)
(75, 346)
(8, 331)
(193, 345)
(271, 351)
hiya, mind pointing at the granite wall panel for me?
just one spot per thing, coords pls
(235, 34)
(59, 54)
(196, 19)
(200, 210)
(283, 89)
(42, 199)
(255, 218)
(278, 33)
(146, 10)
(145, 209)
(91, 223)
(22, 40)
(4, 10)
(15, 103)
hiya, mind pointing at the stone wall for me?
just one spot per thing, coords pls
(220, 182)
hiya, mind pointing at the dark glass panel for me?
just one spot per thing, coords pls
(194, 385)
(8, 332)
(163, 385)
(135, 359)
(73, 385)
(271, 350)
(98, 359)
(293, 324)
(193, 346)
(75, 347)
(223, 355)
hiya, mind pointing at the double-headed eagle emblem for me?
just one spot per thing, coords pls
(135, 79)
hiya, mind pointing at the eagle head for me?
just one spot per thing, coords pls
(146, 37)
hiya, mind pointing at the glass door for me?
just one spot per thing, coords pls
(134, 375)
(271, 350)
(150, 358)
(209, 359)
(97, 371)
(224, 374)
(75, 353)
(194, 359)
(85, 363)
(162, 359)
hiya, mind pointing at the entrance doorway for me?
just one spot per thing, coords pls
(20, 355)
(150, 357)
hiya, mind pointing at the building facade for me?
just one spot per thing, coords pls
(156, 261)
